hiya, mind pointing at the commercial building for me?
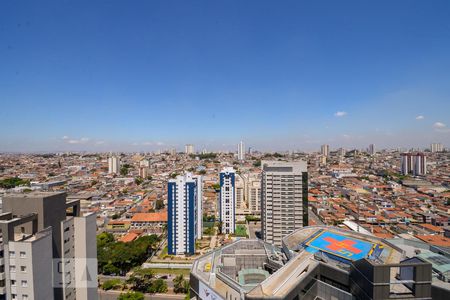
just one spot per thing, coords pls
(184, 224)
(413, 164)
(227, 200)
(189, 149)
(325, 150)
(317, 262)
(48, 249)
(241, 151)
(113, 165)
(284, 199)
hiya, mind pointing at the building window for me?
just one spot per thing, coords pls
(12, 254)
(12, 268)
(22, 254)
(13, 282)
(24, 283)
(24, 297)
(23, 268)
(13, 296)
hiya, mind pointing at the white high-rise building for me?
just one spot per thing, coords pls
(189, 149)
(371, 149)
(241, 151)
(241, 188)
(227, 200)
(284, 199)
(49, 249)
(325, 150)
(413, 164)
(145, 163)
(437, 147)
(114, 165)
(254, 194)
(184, 213)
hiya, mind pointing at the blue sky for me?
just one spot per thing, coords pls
(280, 75)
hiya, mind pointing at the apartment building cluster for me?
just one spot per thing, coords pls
(48, 248)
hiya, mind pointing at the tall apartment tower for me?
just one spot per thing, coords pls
(189, 149)
(371, 149)
(325, 150)
(241, 151)
(437, 147)
(254, 195)
(227, 200)
(240, 191)
(413, 164)
(284, 199)
(114, 165)
(184, 213)
(49, 249)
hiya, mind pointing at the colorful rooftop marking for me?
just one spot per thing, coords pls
(341, 245)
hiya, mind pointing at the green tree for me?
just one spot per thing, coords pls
(159, 204)
(111, 284)
(124, 170)
(138, 180)
(141, 279)
(158, 286)
(118, 257)
(12, 182)
(131, 296)
(104, 239)
(179, 284)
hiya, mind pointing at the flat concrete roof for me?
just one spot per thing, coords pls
(33, 194)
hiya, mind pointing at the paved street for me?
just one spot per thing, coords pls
(253, 229)
(112, 295)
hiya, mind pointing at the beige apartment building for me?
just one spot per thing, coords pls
(284, 199)
(48, 249)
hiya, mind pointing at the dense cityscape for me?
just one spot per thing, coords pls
(160, 217)
(224, 150)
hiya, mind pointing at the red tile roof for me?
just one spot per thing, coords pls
(150, 217)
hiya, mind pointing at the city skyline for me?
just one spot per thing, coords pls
(152, 75)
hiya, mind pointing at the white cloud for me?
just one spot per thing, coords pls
(340, 114)
(65, 137)
(346, 136)
(82, 140)
(99, 142)
(148, 143)
(440, 127)
(420, 117)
